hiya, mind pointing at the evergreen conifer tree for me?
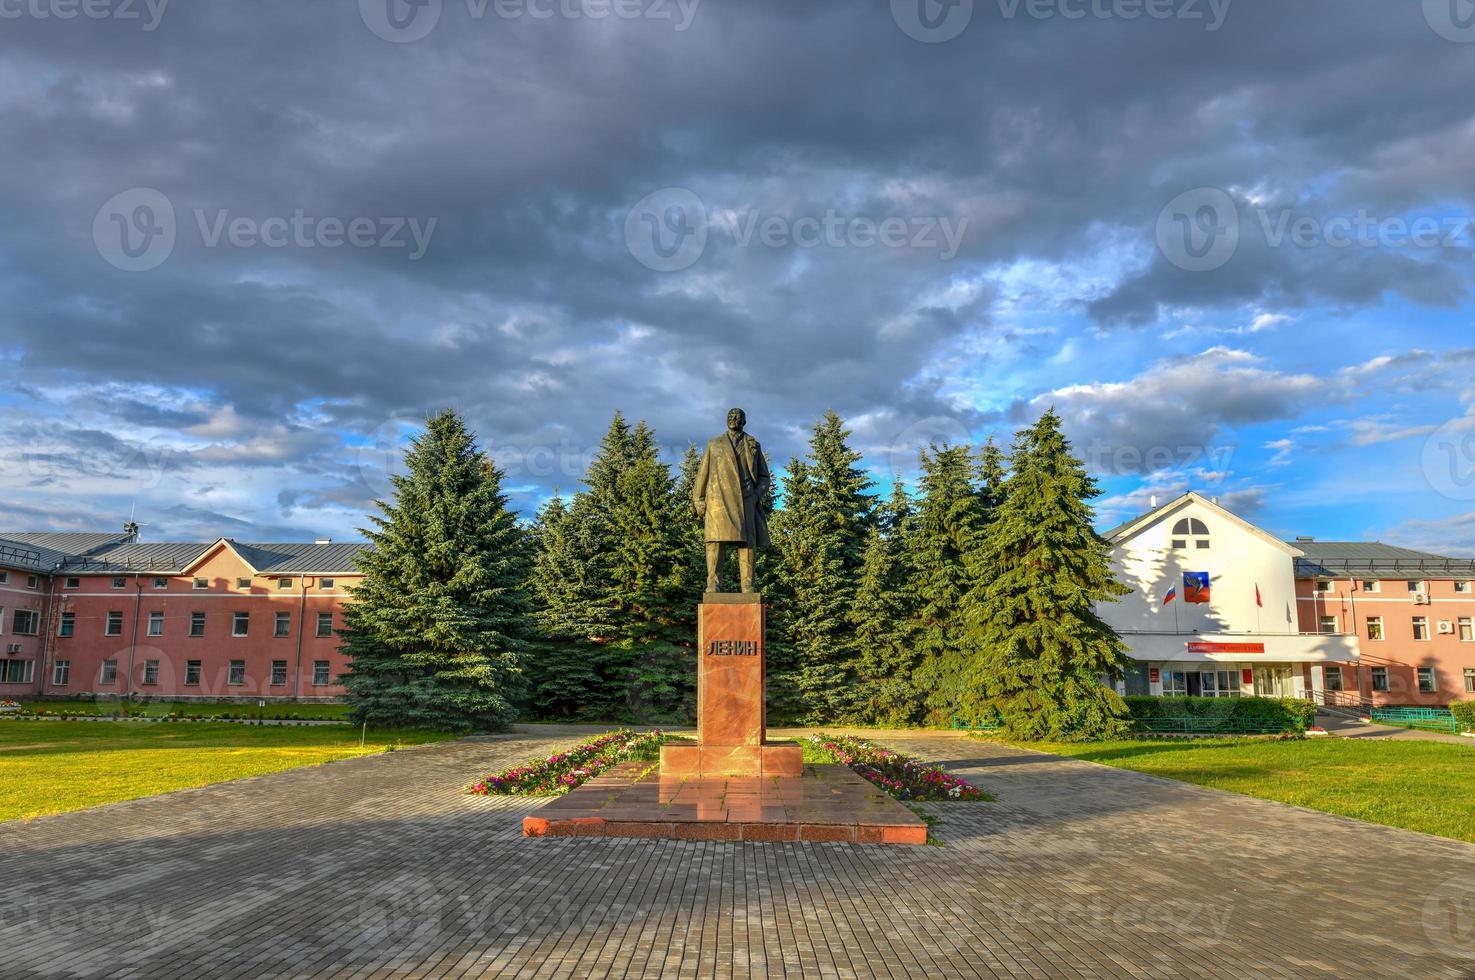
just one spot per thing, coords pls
(567, 610)
(438, 624)
(1042, 649)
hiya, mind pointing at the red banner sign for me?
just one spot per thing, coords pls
(1226, 647)
(1154, 675)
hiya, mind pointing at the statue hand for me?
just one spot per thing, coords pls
(700, 506)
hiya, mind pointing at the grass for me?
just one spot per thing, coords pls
(321, 711)
(1424, 786)
(58, 766)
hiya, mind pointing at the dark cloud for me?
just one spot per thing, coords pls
(528, 141)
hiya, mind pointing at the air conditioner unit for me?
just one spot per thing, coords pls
(12, 648)
(1421, 598)
(1445, 626)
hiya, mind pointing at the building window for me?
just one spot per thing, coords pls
(1334, 678)
(156, 623)
(25, 622)
(240, 624)
(1415, 586)
(1421, 627)
(1220, 683)
(320, 673)
(1372, 585)
(61, 673)
(327, 584)
(278, 672)
(243, 584)
(109, 672)
(71, 583)
(68, 624)
(325, 624)
(1328, 624)
(1470, 680)
(151, 672)
(1190, 529)
(202, 583)
(196, 624)
(192, 672)
(1426, 681)
(160, 582)
(1375, 627)
(1463, 588)
(120, 582)
(283, 626)
(237, 672)
(17, 671)
(1467, 629)
(1322, 585)
(4, 577)
(1380, 679)
(284, 583)
(1175, 683)
(114, 625)
(33, 581)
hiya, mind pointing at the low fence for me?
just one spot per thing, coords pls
(1425, 719)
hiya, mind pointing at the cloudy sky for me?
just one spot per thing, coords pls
(244, 247)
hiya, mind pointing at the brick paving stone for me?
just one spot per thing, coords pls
(382, 867)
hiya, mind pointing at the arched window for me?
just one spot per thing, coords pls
(1190, 533)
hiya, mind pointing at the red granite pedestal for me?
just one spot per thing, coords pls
(732, 783)
(731, 714)
(825, 803)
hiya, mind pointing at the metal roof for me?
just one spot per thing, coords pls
(302, 558)
(1330, 558)
(53, 547)
(17, 554)
(163, 556)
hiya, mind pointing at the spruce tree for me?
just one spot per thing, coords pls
(881, 617)
(567, 610)
(1043, 651)
(946, 535)
(438, 624)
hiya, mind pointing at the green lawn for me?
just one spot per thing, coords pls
(56, 766)
(1423, 786)
(327, 711)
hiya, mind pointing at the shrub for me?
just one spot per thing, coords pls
(1464, 712)
(900, 776)
(1272, 714)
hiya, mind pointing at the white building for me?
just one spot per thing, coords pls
(1245, 639)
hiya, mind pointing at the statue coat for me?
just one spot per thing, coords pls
(718, 494)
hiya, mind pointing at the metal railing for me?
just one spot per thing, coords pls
(1425, 719)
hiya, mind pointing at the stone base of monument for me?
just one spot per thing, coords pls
(824, 803)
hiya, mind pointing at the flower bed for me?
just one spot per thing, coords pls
(565, 770)
(7, 705)
(902, 777)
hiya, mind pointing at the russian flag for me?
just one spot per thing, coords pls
(1172, 594)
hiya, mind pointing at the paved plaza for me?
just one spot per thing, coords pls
(381, 867)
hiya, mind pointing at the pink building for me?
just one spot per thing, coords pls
(1412, 612)
(108, 615)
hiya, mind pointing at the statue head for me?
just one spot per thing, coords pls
(736, 419)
